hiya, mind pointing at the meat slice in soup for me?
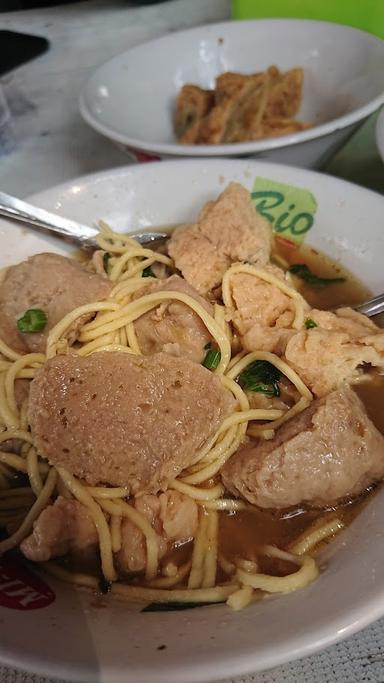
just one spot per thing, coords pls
(64, 527)
(125, 420)
(329, 354)
(173, 326)
(227, 230)
(330, 451)
(173, 516)
(49, 282)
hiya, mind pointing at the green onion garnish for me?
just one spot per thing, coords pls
(302, 271)
(172, 607)
(148, 272)
(260, 376)
(212, 359)
(33, 320)
(309, 323)
(106, 258)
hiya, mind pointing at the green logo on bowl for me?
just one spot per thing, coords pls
(291, 210)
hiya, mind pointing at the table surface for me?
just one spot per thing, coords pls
(49, 144)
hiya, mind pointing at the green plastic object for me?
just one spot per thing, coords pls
(367, 15)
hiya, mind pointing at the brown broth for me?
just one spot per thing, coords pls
(371, 393)
(350, 292)
(244, 534)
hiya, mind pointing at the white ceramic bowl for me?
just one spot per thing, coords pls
(380, 134)
(72, 637)
(131, 98)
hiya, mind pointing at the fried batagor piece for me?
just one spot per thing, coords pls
(242, 107)
(272, 128)
(336, 350)
(192, 105)
(239, 98)
(266, 106)
(262, 313)
(285, 93)
(227, 230)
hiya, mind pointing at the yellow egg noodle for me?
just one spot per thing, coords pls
(112, 329)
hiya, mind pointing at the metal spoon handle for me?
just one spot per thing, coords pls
(84, 235)
(11, 207)
(372, 307)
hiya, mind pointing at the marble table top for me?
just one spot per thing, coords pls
(49, 143)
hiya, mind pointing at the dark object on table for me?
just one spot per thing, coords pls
(17, 48)
(13, 5)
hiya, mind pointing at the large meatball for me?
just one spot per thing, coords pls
(125, 420)
(330, 451)
(53, 283)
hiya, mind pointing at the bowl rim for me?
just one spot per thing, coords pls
(205, 671)
(379, 134)
(230, 149)
(336, 629)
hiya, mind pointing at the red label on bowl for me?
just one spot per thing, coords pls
(140, 156)
(20, 588)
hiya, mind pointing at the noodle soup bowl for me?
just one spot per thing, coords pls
(131, 99)
(56, 629)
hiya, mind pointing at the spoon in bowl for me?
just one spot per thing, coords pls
(372, 307)
(82, 235)
(85, 235)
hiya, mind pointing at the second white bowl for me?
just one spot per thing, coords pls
(131, 98)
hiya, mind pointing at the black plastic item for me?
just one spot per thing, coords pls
(17, 48)
(14, 5)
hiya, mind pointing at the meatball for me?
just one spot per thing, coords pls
(173, 327)
(125, 420)
(53, 283)
(330, 451)
(228, 230)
